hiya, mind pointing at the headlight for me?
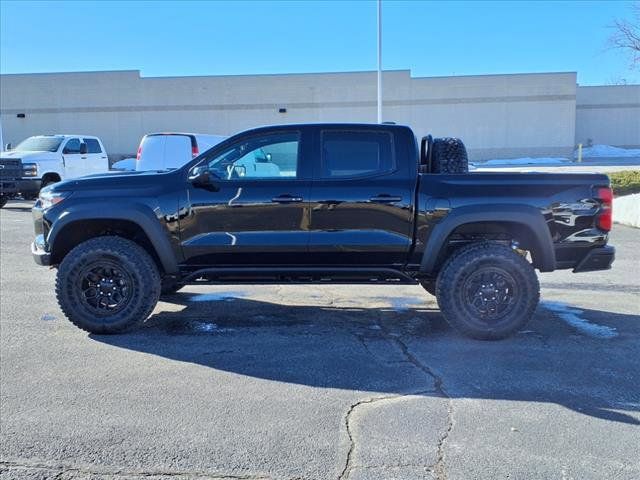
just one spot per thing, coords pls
(29, 169)
(49, 199)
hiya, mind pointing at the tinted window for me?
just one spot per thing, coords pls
(72, 146)
(349, 154)
(267, 156)
(93, 146)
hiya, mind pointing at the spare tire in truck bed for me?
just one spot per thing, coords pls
(449, 156)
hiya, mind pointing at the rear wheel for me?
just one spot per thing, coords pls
(107, 285)
(3, 201)
(487, 291)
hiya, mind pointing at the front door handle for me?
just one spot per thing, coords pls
(286, 199)
(384, 198)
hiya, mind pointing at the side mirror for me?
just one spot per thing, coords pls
(83, 148)
(201, 177)
(8, 147)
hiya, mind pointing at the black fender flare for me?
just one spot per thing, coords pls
(141, 215)
(544, 257)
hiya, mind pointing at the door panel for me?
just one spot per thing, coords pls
(361, 205)
(96, 158)
(75, 164)
(257, 210)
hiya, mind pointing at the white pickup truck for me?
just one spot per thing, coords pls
(44, 159)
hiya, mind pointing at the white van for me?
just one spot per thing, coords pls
(162, 151)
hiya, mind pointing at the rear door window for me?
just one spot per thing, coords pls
(93, 146)
(347, 154)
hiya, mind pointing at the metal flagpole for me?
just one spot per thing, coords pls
(379, 61)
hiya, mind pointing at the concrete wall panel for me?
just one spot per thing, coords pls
(496, 115)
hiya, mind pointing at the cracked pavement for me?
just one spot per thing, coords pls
(317, 382)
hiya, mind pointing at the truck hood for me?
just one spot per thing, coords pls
(114, 180)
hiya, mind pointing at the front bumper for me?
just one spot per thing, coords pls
(9, 187)
(29, 186)
(599, 258)
(25, 186)
(39, 252)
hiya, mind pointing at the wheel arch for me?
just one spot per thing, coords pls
(525, 222)
(53, 176)
(80, 224)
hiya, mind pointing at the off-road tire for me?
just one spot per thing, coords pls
(457, 282)
(449, 156)
(124, 254)
(429, 286)
(3, 201)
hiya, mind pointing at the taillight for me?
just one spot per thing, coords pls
(604, 221)
(139, 152)
(194, 151)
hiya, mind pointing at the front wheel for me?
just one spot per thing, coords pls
(487, 291)
(107, 285)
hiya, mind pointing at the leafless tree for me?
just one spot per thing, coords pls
(626, 35)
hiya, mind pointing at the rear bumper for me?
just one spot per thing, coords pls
(599, 258)
(40, 255)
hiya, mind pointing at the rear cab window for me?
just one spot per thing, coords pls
(349, 154)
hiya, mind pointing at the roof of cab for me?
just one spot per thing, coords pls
(346, 126)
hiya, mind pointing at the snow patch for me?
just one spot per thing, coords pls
(505, 162)
(127, 164)
(402, 304)
(216, 297)
(572, 316)
(626, 210)
(607, 151)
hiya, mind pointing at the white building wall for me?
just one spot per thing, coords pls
(496, 115)
(608, 115)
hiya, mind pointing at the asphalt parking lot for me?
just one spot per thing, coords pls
(319, 382)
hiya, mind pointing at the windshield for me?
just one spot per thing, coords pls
(39, 144)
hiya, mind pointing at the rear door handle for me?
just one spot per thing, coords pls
(286, 199)
(384, 198)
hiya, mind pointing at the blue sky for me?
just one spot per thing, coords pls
(213, 38)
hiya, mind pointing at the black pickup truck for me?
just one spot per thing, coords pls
(322, 203)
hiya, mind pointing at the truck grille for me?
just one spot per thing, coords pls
(10, 168)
